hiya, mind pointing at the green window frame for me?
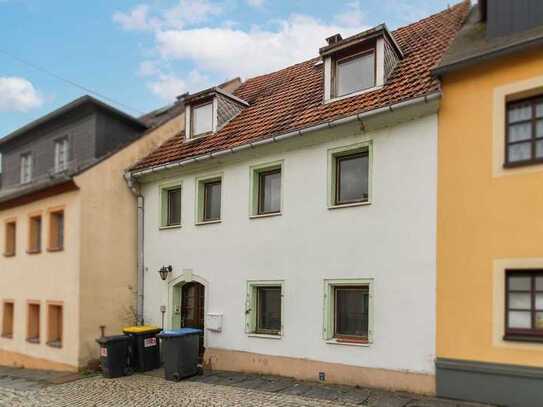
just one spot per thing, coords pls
(167, 215)
(203, 185)
(331, 333)
(257, 174)
(336, 157)
(254, 325)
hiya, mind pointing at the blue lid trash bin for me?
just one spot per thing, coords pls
(181, 349)
(115, 355)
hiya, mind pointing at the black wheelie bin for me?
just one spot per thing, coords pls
(180, 349)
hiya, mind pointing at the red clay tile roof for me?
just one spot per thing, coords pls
(291, 99)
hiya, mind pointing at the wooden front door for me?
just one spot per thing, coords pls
(192, 308)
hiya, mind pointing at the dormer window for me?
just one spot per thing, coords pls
(358, 64)
(355, 73)
(208, 111)
(202, 119)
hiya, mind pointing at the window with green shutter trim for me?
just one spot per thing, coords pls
(170, 204)
(264, 308)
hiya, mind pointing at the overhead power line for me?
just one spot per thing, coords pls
(68, 81)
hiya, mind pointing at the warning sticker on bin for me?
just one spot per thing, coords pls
(103, 352)
(148, 342)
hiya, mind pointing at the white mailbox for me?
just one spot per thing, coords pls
(214, 322)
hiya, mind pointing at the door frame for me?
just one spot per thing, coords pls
(173, 319)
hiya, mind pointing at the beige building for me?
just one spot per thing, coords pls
(68, 230)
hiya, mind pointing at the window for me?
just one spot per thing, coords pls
(269, 191)
(266, 189)
(26, 168)
(171, 206)
(33, 323)
(355, 73)
(56, 230)
(209, 200)
(34, 236)
(350, 170)
(10, 239)
(54, 325)
(348, 311)
(61, 154)
(524, 304)
(7, 319)
(524, 139)
(202, 119)
(264, 307)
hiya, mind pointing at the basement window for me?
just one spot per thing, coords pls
(33, 323)
(54, 325)
(34, 235)
(56, 230)
(10, 237)
(8, 319)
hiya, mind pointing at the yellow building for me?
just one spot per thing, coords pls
(68, 230)
(490, 208)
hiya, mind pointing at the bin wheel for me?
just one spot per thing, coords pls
(128, 371)
(200, 371)
(176, 377)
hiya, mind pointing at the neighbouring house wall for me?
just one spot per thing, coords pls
(489, 218)
(113, 131)
(109, 241)
(79, 128)
(43, 277)
(392, 240)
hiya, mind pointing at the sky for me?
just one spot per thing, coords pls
(139, 55)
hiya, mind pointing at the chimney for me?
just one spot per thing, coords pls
(334, 39)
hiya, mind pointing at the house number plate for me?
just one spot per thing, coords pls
(148, 342)
(103, 352)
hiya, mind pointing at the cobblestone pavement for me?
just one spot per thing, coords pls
(214, 390)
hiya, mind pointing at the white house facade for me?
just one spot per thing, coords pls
(307, 250)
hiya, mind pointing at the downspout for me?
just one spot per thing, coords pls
(134, 188)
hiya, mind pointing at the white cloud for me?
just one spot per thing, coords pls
(169, 86)
(255, 3)
(231, 52)
(223, 50)
(185, 13)
(18, 95)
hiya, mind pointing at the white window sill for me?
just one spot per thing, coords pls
(265, 215)
(349, 205)
(352, 95)
(264, 336)
(169, 227)
(344, 343)
(209, 222)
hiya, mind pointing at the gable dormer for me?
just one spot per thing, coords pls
(208, 111)
(358, 64)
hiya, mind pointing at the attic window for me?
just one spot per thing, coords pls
(202, 119)
(358, 64)
(355, 73)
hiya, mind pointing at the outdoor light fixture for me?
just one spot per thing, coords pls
(164, 272)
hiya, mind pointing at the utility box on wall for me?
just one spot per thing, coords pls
(214, 322)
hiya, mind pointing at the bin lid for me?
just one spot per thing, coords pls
(179, 332)
(141, 329)
(114, 338)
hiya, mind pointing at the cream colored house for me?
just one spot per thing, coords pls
(68, 230)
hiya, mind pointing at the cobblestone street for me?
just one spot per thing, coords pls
(212, 389)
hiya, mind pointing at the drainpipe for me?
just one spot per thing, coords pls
(134, 187)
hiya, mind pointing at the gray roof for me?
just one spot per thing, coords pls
(472, 45)
(77, 103)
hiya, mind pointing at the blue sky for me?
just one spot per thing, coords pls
(141, 54)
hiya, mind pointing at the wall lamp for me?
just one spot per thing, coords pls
(164, 272)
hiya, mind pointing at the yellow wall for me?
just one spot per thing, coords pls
(489, 218)
(108, 279)
(47, 276)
